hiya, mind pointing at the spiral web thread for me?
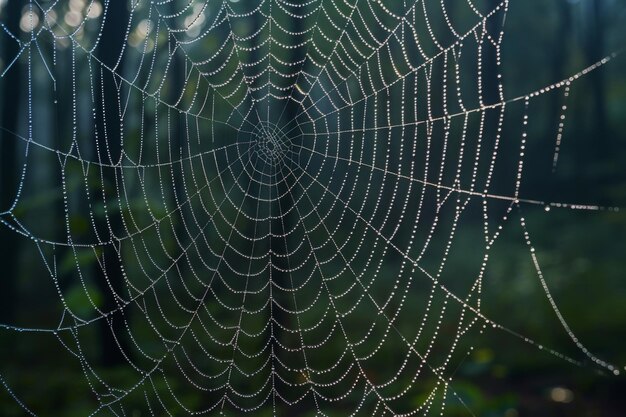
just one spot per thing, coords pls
(284, 170)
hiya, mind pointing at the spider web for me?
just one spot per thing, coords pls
(258, 201)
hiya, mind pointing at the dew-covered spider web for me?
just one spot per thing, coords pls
(256, 206)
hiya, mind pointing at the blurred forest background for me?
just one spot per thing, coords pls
(581, 251)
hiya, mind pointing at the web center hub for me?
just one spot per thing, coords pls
(270, 143)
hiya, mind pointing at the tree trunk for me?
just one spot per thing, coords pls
(109, 275)
(284, 207)
(176, 86)
(601, 146)
(11, 92)
(595, 52)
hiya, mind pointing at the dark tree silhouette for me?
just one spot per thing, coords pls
(595, 51)
(108, 270)
(9, 241)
